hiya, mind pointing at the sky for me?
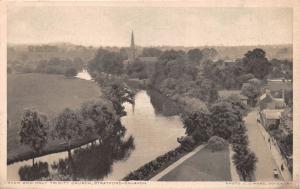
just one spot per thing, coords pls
(152, 26)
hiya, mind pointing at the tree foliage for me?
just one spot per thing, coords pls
(225, 119)
(197, 124)
(195, 55)
(256, 63)
(118, 93)
(251, 91)
(245, 162)
(34, 130)
(106, 61)
(151, 52)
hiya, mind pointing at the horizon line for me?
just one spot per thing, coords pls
(120, 46)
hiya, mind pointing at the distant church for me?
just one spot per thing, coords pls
(132, 56)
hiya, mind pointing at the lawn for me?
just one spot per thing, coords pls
(203, 166)
(49, 94)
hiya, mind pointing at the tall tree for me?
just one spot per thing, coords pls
(197, 124)
(225, 119)
(34, 130)
(255, 62)
(68, 126)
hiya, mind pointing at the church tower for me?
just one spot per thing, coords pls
(131, 56)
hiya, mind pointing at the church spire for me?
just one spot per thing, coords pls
(131, 56)
(132, 39)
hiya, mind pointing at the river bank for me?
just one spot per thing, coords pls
(160, 136)
(55, 147)
(49, 94)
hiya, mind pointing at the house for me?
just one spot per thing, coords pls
(270, 117)
(267, 101)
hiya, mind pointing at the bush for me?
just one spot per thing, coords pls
(149, 169)
(216, 143)
(34, 172)
(71, 72)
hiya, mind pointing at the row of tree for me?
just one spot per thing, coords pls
(224, 119)
(49, 66)
(98, 120)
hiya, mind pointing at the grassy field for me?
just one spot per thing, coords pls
(203, 166)
(49, 94)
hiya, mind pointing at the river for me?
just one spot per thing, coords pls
(154, 135)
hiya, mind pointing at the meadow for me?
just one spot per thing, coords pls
(48, 94)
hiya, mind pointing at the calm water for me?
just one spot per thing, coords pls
(153, 134)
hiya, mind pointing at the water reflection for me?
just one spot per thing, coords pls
(163, 105)
(90, 162)
(35, 172)
(153, 134)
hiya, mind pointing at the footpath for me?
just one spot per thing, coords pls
(274, 149)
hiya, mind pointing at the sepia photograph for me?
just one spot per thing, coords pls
(149, 93)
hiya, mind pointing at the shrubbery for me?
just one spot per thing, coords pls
(37, 171)
(150, 169)
(216, 143)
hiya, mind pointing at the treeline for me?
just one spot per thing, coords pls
(50, 66)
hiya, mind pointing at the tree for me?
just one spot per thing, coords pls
(245, 163)
(137, 69)
(224, 119)
(151, 52)
(68, 126)
(71, 72)
(209, 53)
(99, 117)
(197, 124)
(171, 55)
(251, 91)
(237, 104)
(112, 63)
(255, 62)
(118, 93)
(207, 90)
(195, 55)
(34, 130)
(95, 65)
